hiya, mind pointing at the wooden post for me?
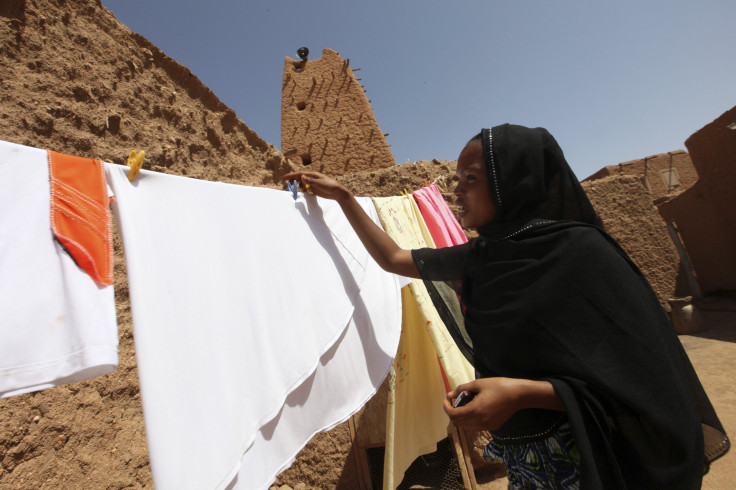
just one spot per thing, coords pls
(462, 453)
(685, 258)
(361, 458)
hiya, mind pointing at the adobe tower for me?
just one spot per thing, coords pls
(327, 124)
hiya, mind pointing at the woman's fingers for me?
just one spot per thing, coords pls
(464, 417)
(305, 179)
(301, 175)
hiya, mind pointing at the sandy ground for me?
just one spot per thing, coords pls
(713, 353)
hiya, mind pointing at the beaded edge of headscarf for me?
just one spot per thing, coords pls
(490, 161)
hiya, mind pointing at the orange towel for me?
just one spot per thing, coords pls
(80, 213)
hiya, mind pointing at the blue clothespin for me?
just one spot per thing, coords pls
(293, 187)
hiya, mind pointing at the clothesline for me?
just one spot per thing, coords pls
(207, 280)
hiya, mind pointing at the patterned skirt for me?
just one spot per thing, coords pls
(551, 463)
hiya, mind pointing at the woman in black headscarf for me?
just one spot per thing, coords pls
(581, 378)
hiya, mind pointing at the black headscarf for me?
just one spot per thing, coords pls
(538, 186)
(550, 296)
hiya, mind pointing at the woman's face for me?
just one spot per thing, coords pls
(473, 192)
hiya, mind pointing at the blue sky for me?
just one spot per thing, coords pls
(612, 81)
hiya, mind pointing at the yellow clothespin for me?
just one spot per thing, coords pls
(135, 162)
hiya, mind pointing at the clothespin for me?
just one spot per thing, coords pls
(135, 162)
(293, 187)
(406, 193)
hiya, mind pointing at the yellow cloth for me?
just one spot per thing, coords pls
(402, 220)
(415, 419)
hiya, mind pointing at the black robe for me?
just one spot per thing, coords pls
(548, 295)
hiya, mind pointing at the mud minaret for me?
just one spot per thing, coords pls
(327, 124)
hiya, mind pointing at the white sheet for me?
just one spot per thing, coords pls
(56, 324)
(236, 294)
(346, 378)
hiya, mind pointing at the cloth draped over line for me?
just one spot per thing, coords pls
(415, 420)
(444, 230)
(76, 209)
(80, 213)
(441, 223)
(338, 387)
(223, 358)
(550, 296)
(404, 223)
(58, 325)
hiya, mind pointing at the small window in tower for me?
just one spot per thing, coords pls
(671, 179)
(300, 106)
(306, 159)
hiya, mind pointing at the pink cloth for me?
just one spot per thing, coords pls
(442, 224)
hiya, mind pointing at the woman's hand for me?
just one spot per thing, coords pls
(497, 399)
(382, 248)
(320, 185)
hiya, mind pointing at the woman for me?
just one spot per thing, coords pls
(582, 381)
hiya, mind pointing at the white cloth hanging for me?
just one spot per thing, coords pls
(56, 324)
(345, 379)
(238, 294)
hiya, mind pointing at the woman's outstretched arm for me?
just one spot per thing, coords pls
(382, 248)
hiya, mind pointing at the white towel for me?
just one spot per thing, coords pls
(56, 324)
(236, 294)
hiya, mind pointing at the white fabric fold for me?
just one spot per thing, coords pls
(348, 375)
(56, 324)
(236, 294)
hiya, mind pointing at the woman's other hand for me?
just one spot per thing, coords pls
(320, 185)
(497, 399)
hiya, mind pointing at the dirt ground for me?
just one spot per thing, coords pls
(713, 353)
